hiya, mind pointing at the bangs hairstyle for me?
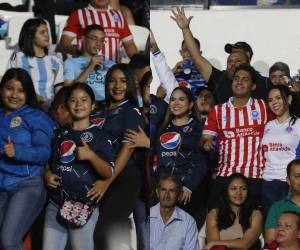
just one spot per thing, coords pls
(82, 86)
(131, 94)
(285, 93)
(24, 78)
(27, 35)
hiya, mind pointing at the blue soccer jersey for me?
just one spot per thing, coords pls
(78, 176)
(179, 153)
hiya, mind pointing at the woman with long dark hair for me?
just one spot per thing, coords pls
(178, 147)
(45, 70)
(235, 223)
(121, 191)
(280, 144)
(25, 138)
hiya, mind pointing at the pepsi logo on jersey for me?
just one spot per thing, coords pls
(170, 140)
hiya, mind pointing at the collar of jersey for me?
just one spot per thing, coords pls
(249, 102)
(90, 7)
(121, 103)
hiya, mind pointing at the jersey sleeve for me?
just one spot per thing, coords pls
(68, 69)
(132, 119)
(126, 34)
(72, 28)
(211, 124)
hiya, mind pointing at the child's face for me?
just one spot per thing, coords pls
(80, 104)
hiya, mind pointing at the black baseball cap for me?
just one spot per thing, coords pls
(238, 45)
(200, 89)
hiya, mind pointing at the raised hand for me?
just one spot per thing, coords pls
(9, 148)
(153, 43)
(179, 17)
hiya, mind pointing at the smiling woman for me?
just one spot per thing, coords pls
(235, 222)
(25, 138)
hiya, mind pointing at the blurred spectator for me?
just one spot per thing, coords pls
(235, 222)
(280, 145)
(90, 67)
(45, 70)
(277, 72)
(204, 102)
(112, 21)
(287, 233)
(25, 134)
(139, 64)
(171, 227)
(184, 73)
(219, 82)
(290, 203)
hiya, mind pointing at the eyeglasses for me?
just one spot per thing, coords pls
(96, 39)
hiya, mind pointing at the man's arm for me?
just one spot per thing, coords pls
(130, 48)
(204, 66)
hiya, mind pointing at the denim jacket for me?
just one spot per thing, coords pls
(31, 132)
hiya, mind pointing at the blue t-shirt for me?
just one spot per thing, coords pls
(96, 80)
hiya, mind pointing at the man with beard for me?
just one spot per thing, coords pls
(219, 82)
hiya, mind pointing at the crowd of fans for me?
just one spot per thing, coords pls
(84, 144)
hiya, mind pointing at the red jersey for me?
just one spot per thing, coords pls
(240, 132)
(115, 27)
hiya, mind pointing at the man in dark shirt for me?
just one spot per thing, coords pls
(219, 82)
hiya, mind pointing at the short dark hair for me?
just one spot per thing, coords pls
(92, 27)
(139, 61)
(24, 78)
(59, 98)
(173, 178)
(281, 66)
(27, 35)
(290, 165)
(131, 94)
(82, 86)
(248, 68)
(196, 41)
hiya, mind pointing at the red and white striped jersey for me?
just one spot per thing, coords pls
(115, 27)
(240, 132)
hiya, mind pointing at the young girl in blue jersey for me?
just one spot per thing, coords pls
(280, 144)
(123, 188)
(45, 70)
(25, 146)
(82, 153)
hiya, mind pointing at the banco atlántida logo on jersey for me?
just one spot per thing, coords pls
(170, 140)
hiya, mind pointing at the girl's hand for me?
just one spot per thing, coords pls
(137, 139)
(52, 180)
(99, 189)
(84, 152)
(185, 196)
(9, 148)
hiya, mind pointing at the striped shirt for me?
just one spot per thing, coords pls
(45, 71)
(240, 131)
(115, 27)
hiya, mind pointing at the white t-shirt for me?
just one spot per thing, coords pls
(280, 145)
